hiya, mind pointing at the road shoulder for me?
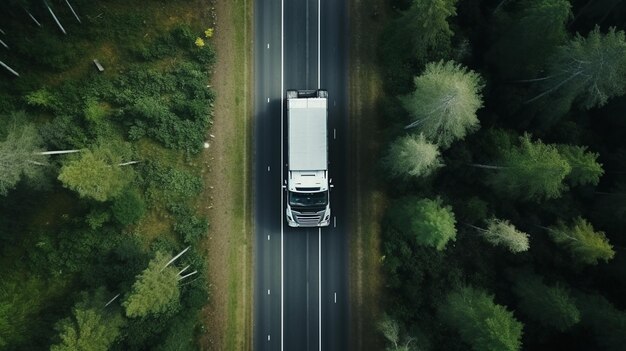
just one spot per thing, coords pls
(228, 316)
(365, 253)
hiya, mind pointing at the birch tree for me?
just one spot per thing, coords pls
(412, 156)
(502, 233)
(96, 174)
(444, 104)
(156, 289)
(589, 69)
(20, 156)
(584, 243)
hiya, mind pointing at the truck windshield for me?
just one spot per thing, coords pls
(308, 199)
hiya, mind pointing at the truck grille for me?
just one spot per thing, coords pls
(308, 219)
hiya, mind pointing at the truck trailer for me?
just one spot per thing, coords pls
(308, 184)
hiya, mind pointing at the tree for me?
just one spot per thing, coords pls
(550, 306)
(584, 244)
(412, 156)
(96, 174)
(589, 70)
(528, 36)
(444, 103)
(20, 156)
(391, 331)
(585, 166)
(428, 221)
(481, 323)
(607, 322)
(155, 291)
(87, 331)
(532, 170)
(429, 20)
(92, 326)
(502, 233)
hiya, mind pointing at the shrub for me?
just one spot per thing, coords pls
(129, 207)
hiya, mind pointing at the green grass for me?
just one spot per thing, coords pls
(239, 158)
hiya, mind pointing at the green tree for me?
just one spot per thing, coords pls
(532, 170)
(87, 330)
(585, 166)
(390, 329)
(587, 69)
(92, 327)
(428, 221)
(550, 306)
(584, 244)
(428, 21)
(444, 103)
(96, 174)
(528, 36)
(481, 323)
(607, 322)
(155, 291)
(412, 156)
(20, 156)
(502, 233)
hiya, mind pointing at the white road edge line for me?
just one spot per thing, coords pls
(335, 297)
(319, 72)
(282, 105)
(319, 285)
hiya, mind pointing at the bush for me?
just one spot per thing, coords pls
(129, 207)
(188, 226)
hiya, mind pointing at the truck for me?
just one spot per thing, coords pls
(308, 183)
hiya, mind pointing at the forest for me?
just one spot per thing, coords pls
(504, 123)
(101, 173)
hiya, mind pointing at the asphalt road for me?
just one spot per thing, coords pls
(301, 282)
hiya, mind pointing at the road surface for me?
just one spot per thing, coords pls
(301, 274)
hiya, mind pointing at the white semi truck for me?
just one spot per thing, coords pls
(308, 184)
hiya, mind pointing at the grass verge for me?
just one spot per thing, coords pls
(366, 280)
(228, 315)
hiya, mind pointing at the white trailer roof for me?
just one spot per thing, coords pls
(307, 134)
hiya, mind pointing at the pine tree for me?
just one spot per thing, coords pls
(533, 170)
(604, 319)
(585, 166)
(550, 306)
(484, 325)
(584, 244)
(444, 104)
(528, 36)
(412, 156)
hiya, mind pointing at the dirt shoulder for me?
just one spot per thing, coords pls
(366, 280)
(228, 315)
